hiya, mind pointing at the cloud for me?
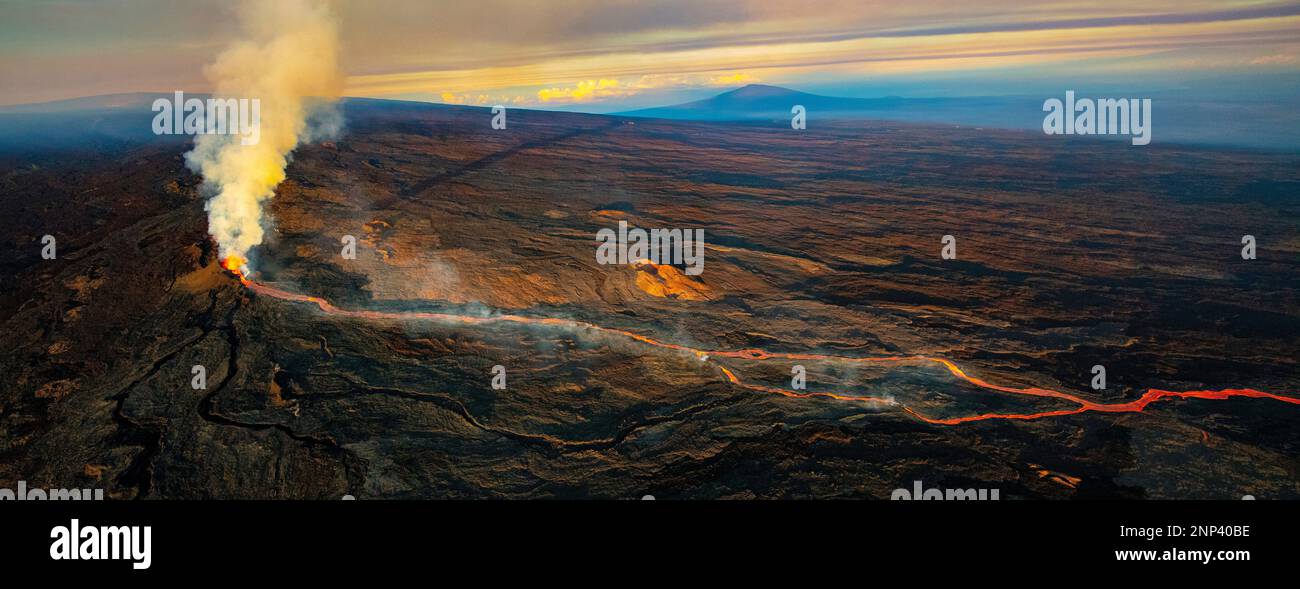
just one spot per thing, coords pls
(605, 88)
(481, 99)
(583, 91)
(518, 48)
(1275, 60)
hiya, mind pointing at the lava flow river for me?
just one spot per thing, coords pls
(1082, 405)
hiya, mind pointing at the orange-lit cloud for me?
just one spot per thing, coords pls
(588, 90)
(583, 91)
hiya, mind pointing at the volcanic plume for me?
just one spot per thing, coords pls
(287, 59)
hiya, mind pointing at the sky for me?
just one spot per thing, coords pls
(610, 55)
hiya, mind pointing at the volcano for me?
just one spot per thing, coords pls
(760, 101)
(373, 375)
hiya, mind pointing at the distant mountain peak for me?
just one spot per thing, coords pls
(751, 102)
(760, 91)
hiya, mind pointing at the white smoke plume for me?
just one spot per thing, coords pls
(287, 58)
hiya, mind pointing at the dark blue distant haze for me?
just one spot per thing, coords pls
(1227, 114)
(1264, 122)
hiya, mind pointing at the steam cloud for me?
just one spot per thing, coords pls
(287, 59)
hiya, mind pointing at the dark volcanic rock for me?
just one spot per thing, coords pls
(1070, 255)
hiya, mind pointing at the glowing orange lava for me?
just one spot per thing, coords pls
(1084, 405)
(236, 265)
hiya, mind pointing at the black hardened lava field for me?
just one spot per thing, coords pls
(373, 376)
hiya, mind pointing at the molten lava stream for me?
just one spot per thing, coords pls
(236, 266)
